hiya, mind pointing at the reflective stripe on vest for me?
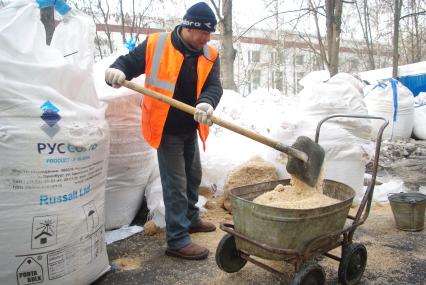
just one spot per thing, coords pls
(163, 63)
(153, 79)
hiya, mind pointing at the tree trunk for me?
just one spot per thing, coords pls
(365, 22)
(323, 60)
(48, 19)
(334, 22)
(123, 33)
(228, 51)
(98, 44)
(396, 18)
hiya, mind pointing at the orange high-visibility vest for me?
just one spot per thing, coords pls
(163, 63)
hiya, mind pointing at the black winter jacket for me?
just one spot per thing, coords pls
(178, 122)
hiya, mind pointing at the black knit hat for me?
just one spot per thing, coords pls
(201, 17)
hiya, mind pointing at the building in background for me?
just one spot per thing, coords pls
(262, 61)
(279, 64)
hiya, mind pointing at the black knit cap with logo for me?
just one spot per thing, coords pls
(201, 17)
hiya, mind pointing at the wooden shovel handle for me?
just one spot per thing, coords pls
(225, 124)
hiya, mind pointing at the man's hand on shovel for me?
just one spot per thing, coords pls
(202, 113)
(115, 77)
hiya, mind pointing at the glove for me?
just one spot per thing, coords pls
(115, 77)
(202, 111)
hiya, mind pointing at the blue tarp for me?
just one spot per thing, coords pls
(413, 76)
(416, 83)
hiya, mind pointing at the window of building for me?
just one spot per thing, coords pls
(278, 80)
(278, 57)
(256, 77)
(317, 62)
(254, 56)
(299, 75)
(300, 59)
(353, 64)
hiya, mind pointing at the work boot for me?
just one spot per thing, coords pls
(202, 227)
(191, 251)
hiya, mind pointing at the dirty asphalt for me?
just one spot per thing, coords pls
(394, 256)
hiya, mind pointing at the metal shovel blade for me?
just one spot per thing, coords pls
(308, 171)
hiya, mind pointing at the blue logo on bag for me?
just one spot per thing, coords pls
(51, 117)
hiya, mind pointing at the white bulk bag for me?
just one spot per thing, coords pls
(419, 128)
(395, 102)
(341, 94)
(345, 141)
(132, 159)
(53, 146)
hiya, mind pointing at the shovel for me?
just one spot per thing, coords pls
(305, 156)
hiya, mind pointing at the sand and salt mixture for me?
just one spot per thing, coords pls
(297, 195)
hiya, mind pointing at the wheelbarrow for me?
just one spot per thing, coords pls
(299, 236)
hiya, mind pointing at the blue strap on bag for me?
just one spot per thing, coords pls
(59, 5)
(395, 98)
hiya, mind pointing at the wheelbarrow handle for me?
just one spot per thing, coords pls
(225, 124)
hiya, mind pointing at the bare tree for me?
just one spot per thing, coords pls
(122, 18)
(95, 11)
(333, 11)
(396, 18)
(329, 52)
(363, 12)
(323, 60)
(413, 32)
(100, 13)
(228, 52)
(133, 23)
(139, 20)
(130, 23)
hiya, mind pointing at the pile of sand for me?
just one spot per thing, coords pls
(297, 195)
(127, 263)
(256, 170)
(150, 228)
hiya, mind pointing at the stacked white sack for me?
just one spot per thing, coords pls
(132, 160)
(395, 102)
(346, 141)
(54, 145)
(419, 128)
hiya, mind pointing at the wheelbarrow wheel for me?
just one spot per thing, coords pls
(310, 274)
(352, 264)
(227, 256)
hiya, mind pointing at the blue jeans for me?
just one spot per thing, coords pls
(180, 172)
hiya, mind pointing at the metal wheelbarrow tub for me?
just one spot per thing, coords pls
(287, 228)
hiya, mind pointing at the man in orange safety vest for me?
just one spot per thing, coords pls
(183, 66)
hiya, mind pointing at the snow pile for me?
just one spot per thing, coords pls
(261, 112)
